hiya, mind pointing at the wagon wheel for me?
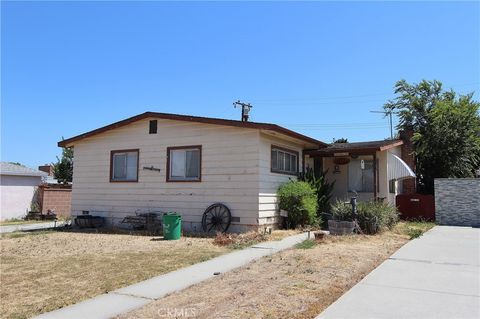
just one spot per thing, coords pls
(216, 217)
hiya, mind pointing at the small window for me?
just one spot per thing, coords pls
(284, 161)
(184, 164)
(124, 166)
(153, 127)
(392, 186)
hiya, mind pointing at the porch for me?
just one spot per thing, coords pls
(369, 170)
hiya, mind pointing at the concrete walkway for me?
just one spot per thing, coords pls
(138, 295)
(434, 276)
(29, 227)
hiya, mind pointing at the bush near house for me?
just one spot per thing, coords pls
(300, 201)
(372, 216)
(322, 187)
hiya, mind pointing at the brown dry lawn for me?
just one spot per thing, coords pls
(297, 283)
(44, 271)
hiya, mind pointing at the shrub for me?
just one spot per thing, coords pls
(342, 211)
(372, 216)
(300, 201)
(322, 187)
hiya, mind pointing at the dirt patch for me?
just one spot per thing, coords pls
(44, 271)
(242, 240)
(297, 283)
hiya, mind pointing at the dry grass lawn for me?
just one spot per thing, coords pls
(297, 283)
(44, 271)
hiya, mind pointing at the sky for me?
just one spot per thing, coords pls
(318, 68)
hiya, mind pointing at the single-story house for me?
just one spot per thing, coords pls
(18, 186)
(178, 163)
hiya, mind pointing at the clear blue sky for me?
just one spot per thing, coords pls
(317, 68)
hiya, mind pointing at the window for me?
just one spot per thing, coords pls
(184, 164)
(392, 186)
(124, 166)
(360, 180)
(284, 161)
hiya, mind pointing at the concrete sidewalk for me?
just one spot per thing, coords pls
(29, 227)
(434, 276)
(137, 295)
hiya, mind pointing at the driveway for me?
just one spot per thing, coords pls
(434, 276)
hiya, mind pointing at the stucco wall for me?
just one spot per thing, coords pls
(16, 193)
(457, 201)
(340, 190)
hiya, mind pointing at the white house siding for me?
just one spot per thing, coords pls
(230, 173)
(16, 194)
(269, 182)
(398, 184)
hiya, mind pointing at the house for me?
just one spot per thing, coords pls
(168, 162)
(18, 188)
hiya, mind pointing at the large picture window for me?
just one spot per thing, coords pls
(284, 161)
(124, 166)
(360, 179)
(184, 163)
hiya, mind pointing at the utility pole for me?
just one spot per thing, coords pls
(245, 109)
(389, 113)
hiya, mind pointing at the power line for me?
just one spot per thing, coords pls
(308, 100)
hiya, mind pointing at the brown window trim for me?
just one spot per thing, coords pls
(111, 165)
(272, 147)
(172, 148)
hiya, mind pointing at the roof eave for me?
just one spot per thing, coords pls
(70, 141)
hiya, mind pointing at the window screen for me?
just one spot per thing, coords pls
(124, 166)
(284, 161)
(184, 164)
(360, 180)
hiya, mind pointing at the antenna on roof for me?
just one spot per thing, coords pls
(245, 109)
(389, 114)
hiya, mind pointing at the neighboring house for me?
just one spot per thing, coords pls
(18, 185)
(169, 162)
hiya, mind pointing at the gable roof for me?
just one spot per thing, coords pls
(197, 119)
(357, 147)
(19, 170)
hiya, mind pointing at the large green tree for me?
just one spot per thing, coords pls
(63, 168)
(446, 130)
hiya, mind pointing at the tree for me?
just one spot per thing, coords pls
(340, 140)
(446, 130)
(63, 169)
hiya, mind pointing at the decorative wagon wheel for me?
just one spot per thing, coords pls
(216, 217)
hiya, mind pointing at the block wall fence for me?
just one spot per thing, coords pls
(57, 198)
(457, 201)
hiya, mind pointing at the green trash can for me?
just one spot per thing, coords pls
(172, 226)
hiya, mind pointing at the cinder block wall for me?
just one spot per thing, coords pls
(457, 201)
(57, 199)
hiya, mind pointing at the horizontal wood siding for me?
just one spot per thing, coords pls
(230, 172)
(269, 181)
